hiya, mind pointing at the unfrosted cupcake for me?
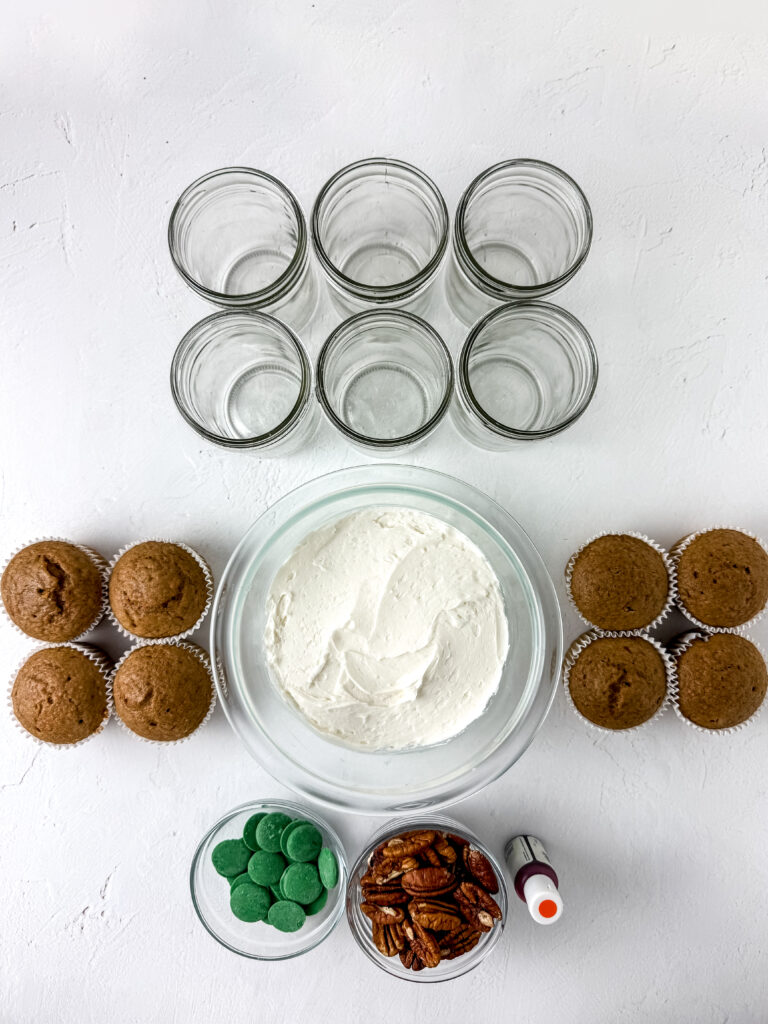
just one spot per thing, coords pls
(159, 590)
(616, 682)
(620, 582)
(721, 679)
(722, 578)
(163, 691)
(53, 590)
(59, 694)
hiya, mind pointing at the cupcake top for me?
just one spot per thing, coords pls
(722, 681)
(157, 590)
(618, 682)
(52, 590)
(722, 578)
(619, 582)
(162, 691)
(59, 695)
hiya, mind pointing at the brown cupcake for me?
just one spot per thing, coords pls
(616, 682)
(163, 691)
(619, 582)
(59, 694)
(52, 590)
(722, 578)
(722, 680)
(157, 590)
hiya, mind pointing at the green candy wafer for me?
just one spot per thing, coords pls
(275, 890)
(286, 916)
(287, 831)
(249, 830)
(266, 868)
(328, 868)
(303, 844)
(250, 902)
(230, 857)
(238, 880)
(301, 883)
(269, 830)
(317, 905)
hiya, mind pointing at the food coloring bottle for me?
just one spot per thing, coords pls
(534, 878)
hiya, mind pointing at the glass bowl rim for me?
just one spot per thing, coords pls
(426, 820)
(386, 476)
(338, 849)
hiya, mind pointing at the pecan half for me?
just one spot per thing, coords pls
(407, 845)
(385, 895)
(477, 906)
(407, 956)
(430, 855)
(437, 915)
(388, 939)
(388, 870)
(382, 915)
(478, 865)
(459, 942)
(445, 850)
(423, 943)
(429, 881)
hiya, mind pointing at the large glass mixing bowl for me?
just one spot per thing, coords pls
(385, 781)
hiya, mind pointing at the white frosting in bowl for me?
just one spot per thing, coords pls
(387, 629)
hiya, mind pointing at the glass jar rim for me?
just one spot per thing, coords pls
(465, 388)
(275, 289)
(386, 292)
(479, 275)
(357, 320)
(285, 425)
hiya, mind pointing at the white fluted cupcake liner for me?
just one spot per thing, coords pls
(676, 551)
(582, 642)
(133, 637)
(671, 576)
(98, 560)
(94, 654)
(678, 646)
(202, 656)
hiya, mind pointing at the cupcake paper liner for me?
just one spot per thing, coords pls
(671, 574)
(133, 637)
(676, 551)
(98, 560)
(582, 642)
(199, 653)
(102, 662)
(679, 645)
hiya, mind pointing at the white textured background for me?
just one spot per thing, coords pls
(106, 113)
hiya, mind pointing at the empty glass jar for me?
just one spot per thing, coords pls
(380, 229)
(522, 229)
(242, 380)
(384, 379)
(527, 371)
(238, 237)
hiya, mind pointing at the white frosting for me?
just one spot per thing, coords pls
(387, 629)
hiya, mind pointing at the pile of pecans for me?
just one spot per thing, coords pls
(428, 896)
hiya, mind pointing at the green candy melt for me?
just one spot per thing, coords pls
(249, 830)
(287, 831)
(250, 902)
(301, 883)
(269, 831)
(303, 844)
(230, 857)
(317, 905)
(238, 880)
(328, 868)
(266, 868)
(286, 916)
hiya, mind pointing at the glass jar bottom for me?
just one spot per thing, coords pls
(259, 400)
(385, 401)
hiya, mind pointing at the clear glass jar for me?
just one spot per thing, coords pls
(243, 381)
(238, 237)
(522, 229)
(526, 371)
(380, 230)
(384, 379)
(360, 925)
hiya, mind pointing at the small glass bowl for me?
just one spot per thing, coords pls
(360, 926)
(210, 891)
(385, 379)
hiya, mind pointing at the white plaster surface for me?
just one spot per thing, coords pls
(107, 111)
